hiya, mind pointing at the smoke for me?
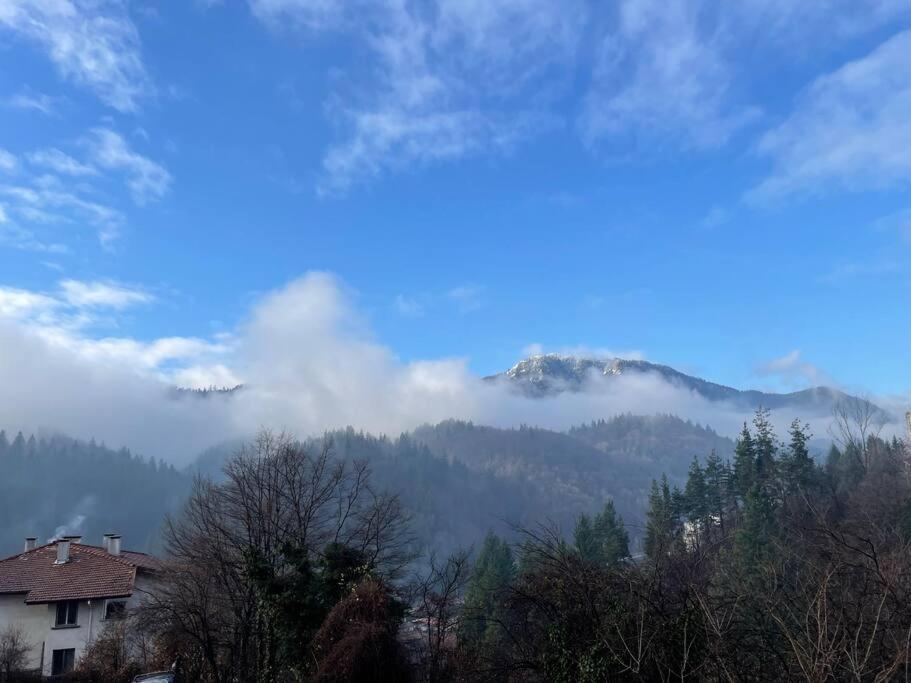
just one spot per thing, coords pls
(309, 363)
(73, 526)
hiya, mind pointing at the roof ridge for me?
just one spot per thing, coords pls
(101, 552)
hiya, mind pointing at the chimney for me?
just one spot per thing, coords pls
(30, 543)
(106, 542)
(73, 539)
(63, 551)
(114, 544)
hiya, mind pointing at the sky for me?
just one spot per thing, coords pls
(448, 185)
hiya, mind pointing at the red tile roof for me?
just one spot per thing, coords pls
(90, 573)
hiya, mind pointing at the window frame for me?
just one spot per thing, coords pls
(120, 613)
(63, 661)
(70, 613)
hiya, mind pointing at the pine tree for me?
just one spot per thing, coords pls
(797, 464)
(17, 449)
(586, 541)
(756, 528)
(660, 520)
(695, 494)
(494, 571)
(765, 447)
(715, 488)
(4, 443)
(611, 535)
(744, 462)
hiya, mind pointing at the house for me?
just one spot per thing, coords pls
(60, 595)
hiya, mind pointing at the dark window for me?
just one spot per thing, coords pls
(68, 613)
(115, 609)
(63, 661)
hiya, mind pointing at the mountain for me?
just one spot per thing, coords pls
(53, 485)
(551, 374)
(460, 480)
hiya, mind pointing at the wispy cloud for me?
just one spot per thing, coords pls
(408, 306)
(794, 371)
(8, 161)
(66, 318)
(461, 79)
(468, 297)
(32, 101)
(60, 162)
(41, 194)
(101, 294)
(147, 179)
(46, 202)
(851, 129)
(93, 43)
(663, 73)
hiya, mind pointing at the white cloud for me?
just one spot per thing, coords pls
(93, 43)
(794, 371)
(32, 101)
(102, 295)
(533, 349)
(851, 129)
(8, 161)
(21, 303)
(148, 180)
(451, 80)
(60, 162)
(467, 297)
(898, 223)
(663, 73)
(47, 202)
(408, 306)
(305, 14)
(309, 364)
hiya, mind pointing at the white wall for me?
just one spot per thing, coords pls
(37, 624)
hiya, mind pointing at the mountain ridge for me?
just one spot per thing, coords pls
(547, 375)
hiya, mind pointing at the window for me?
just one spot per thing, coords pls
(68, 613)
(63, 661)
(115, 609)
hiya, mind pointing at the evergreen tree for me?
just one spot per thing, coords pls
(744, 462)
(695, 494)
(494, 571)
(797, 464)
(4, 443)
(17, 449)
(765, 446)
(586, 541)
(715, 488)
(611, 535)
(756, 529)
(660, 520)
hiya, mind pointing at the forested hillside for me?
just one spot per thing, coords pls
(55, 484)
(460, 480)
(457, 480)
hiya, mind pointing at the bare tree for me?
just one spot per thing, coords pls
(14, 650)
(437, 615)
(856, 421)
(239, 544)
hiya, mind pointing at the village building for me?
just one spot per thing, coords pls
(61, 595)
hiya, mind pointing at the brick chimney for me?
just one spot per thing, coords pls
(30, 543)
(63, 551)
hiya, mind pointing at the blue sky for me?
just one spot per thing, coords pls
(722, 189)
